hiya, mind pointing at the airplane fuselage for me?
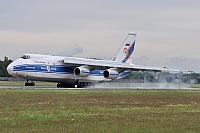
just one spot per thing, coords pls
(52, 69)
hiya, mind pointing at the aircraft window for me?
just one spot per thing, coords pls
(25, 57)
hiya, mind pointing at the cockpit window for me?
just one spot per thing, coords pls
(25, 56)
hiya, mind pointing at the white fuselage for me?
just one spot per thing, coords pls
(50, 68)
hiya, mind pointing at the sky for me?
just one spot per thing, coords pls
(167, 31)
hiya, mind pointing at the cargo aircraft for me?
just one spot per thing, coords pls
(73, 72)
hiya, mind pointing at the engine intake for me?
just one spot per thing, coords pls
(111, 74)
(81, 71)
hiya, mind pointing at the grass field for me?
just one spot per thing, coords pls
(99, 111)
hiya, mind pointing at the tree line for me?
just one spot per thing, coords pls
(164, 77)
(3, 67)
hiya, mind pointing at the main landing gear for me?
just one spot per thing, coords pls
(63, 85)
(83, 84)
(29, 83)
(78, 85)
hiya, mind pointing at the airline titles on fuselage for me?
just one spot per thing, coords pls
(40, 62)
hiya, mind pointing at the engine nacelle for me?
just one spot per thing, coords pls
(81, 71)
(111, 74)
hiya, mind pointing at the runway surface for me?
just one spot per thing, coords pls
(112, 86)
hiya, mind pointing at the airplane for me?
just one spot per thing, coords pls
(70, 72)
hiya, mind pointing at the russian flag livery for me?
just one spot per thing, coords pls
(128, 51)
(125, 52)
(128, 44)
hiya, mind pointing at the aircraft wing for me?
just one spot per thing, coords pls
(106, 64)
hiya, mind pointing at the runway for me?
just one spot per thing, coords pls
(138, 86)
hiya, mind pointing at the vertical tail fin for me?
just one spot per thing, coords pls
(124, 54)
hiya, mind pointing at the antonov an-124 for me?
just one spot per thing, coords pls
(78, 72)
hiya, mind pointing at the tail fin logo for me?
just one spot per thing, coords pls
(128, 51)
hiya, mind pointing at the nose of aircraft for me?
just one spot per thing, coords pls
(10, 68)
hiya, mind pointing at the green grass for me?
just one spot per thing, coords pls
(195, 85)
(99, 111)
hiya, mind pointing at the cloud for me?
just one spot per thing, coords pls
(184, 63)
(166, 29)
(72, 51)
(179, 63)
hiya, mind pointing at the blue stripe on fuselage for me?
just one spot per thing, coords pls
(61, 69)
(44, 68)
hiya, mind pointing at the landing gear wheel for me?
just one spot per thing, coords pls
(83, 84)
(59, 85)
(32, 84)
(29, 84)
(63, 85)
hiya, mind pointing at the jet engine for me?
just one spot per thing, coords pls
(81, 71)
(111, 74)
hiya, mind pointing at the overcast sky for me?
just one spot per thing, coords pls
(167, 30)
